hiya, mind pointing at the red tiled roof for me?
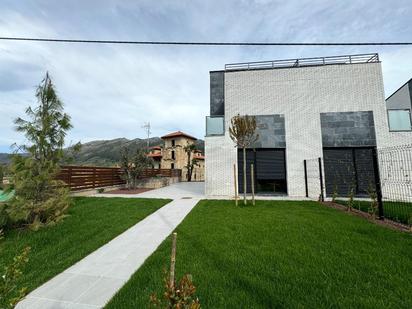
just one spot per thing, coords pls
(177, 134)
(199, 157)
(156, 147)
(154, 155)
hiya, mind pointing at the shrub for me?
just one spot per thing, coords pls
(177, 296)
(4, 216)
(180, 296)
(9, 294)
(100, 190)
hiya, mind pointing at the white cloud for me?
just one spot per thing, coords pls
(111, 90)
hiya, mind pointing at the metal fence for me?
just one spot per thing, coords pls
(395, 165)
(377, 181)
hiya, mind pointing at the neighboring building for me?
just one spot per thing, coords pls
(156, 154)
(329, 107)
(172, 155)
(399, 106)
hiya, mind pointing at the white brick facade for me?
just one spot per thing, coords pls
(300, 94)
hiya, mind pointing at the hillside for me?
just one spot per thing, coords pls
(107, 152)
(4, 158)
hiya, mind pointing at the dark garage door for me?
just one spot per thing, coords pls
(269, 168)
(346, 168)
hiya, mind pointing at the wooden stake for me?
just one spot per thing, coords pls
(252, 181)
(173, 261)
(235, 178)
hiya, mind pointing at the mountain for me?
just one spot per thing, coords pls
(4, 158)
(108, 152)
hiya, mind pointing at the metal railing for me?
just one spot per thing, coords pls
(303, 62)
(389, 182)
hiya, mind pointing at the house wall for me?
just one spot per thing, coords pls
(300, 94)
(401, 99)
(180, 159)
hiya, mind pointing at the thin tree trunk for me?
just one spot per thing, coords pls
(244, 176)
(235, 179)
(173, 262)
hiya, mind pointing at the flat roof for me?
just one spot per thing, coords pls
(301, 62)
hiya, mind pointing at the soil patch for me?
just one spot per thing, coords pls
(127, 191)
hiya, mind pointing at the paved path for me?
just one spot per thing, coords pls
(174, 191)
(94, 280)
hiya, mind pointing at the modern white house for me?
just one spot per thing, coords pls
(329, 107)
(399, 105)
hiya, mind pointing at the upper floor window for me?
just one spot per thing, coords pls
(173, 143)
(173, 155)
(399, 120)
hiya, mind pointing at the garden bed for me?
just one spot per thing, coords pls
(396, 211)
(128, 191)
(288, 254)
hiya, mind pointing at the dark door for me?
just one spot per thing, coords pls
(250, 159)
(269, 170)
(347, 168)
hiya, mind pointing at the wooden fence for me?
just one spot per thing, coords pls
(90, 177)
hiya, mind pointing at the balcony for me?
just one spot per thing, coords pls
(215, 125)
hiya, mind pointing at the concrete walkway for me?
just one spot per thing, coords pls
(94, 280)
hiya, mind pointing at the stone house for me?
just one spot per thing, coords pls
(173, 156)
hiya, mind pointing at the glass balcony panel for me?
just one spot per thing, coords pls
(215, 125)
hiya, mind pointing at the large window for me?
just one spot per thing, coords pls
(399, 120)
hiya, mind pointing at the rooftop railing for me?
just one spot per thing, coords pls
(303, 62)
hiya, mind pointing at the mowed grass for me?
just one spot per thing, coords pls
(91, 223)
(281, 254)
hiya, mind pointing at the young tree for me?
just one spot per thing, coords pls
(191, 162)
(39, 199)
(133, 166)
(243, 132)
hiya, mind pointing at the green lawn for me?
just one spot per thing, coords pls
(91, 223)
(281, 254)
(397, 211)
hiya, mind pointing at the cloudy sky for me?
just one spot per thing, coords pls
(111, 90)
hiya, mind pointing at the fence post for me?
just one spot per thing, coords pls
(94, 177)
(377, 183)
(322, 197)
(306, 178)
(69, 177)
